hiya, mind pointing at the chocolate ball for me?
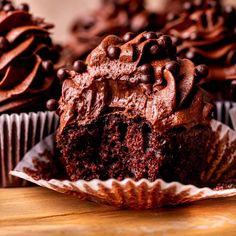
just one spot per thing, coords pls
(173, 67)
(113, 52)
(165, 41)
(146, 79)
(201, 71)
(52, 105)
(154, 50)
(128, 36)
(198, 3)
(8, 7)
(191, 55)
(188, 6)
(150, 35)
(23, 7)
(194, 36)
(62, 74)
(79, 66)
(48, 66)
(171, 16)
(146, 69)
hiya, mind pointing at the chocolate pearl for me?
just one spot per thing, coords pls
(48, 66)
(62, 74)
(201, 71)
(194, 36)
(4, 44)
(52, 105)
(154, 50)
(150, 35)
(188, 6)
(191, 55)
(113, 52)
(23, 7)
(173, 67)
(146, 79)
(8, 7)
(128, 36)
(171, 16)
(165, 41)
(146, 69)
(79, 66)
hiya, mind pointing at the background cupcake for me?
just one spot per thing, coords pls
(27, 82)
(205, 33)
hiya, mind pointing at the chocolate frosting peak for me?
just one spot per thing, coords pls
(25, 46)
(206, 34)
(142, 77)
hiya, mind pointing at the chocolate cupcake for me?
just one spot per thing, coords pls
(134, 110)
(28, 80)
(205, 33)
(113, 17)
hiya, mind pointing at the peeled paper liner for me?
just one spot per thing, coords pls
(128, 193)
(18, 134)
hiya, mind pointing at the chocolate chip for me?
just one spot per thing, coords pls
(154, 50)
(171, 16)
(48, 66)
(4, 44)
(52, 105)
(23, 7)
(146, 69)
(113, 52)
(201, 71)
(146, 79)
(62, 74)
(173, 67)
(165, 41)
(79, 66)
(194, 36)
(8, 7)
(150, 35)
(128, 36)
(188, 6)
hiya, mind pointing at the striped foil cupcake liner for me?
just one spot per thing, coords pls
(132, 194)
(18, 134)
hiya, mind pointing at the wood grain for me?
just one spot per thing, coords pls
(38, 211)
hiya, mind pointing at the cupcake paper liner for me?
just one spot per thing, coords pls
(128, 193)
(18, 134)
(223, 113)
(232, 113)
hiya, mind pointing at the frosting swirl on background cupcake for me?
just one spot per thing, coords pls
(26, 60)
(205, 33)
(113, 17)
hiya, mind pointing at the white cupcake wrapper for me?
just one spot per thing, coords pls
(232, 113)
(223, 113)
(131, 194)
(18, 134)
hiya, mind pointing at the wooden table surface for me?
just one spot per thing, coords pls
(38, 211)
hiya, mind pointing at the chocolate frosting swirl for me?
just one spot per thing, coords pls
(113, 17)
(26, 56)
(205, 33)
(139, 77)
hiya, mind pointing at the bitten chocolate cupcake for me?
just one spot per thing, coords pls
(205, 33)
(28, 81)
(113, 17)
(134, 110)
